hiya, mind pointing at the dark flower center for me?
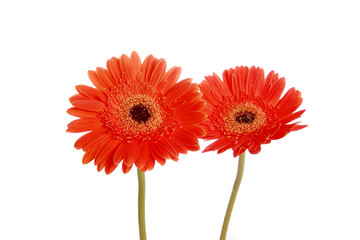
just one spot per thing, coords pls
(245, 117)
(140, 113)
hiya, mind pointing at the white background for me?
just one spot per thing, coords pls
(304, 186)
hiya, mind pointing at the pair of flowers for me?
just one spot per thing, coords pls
(138, 114)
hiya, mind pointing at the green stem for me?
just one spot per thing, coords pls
(141, 205)
(237, 182)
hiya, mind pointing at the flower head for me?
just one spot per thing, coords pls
(245, 109)
(136, 114)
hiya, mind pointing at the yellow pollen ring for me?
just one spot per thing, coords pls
(234, 126)
(153, 108)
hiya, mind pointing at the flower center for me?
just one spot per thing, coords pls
(139, 113)
(143, 116)
(245, 117)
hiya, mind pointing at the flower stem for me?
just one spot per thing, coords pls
(141, 205)
(237, 182)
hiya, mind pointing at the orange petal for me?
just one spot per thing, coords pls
(158, 73)
(90, 92)
(181, 148)
(279, 134)
(149, 67)
(115, 73)
(218, 144)
(166, 144)
(171, 77)
(108, 151)
(131, 151)
(298, 127)
(143, 156)
(110, 167)
(95, 143)
(105, 77)
(95, 80)
(159, 151)
(186, 137)
(208, 94)
(195, 107)
(196, 130)
(89, 105)
(259, 82)
(150, 164)
(119, 154)
(275, 91)
(88, 137)
(292, 116)
(77, 97)
(175, 92)
(127, 67)
(157, 157)
(99, 157)
(136, 62)
(125, 168)
(85, 124)
(88, 157)
(81, 113)
(190, 118)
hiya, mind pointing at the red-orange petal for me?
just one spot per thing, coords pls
(81, 113)
(89, 105)
(175, 92)
(143, 156)
(108, 151)
(196, 130)
(110, 167)
(85, 124)
(78, 97)
(95, 143)
(95, 80)
(186, 137)
(90, 92)
(275, 91)
(131, 151)
(88, 157)
(158, 73)
(220, 143)
(191, 118)
(164, 143)
(136, 62)
(119, 154)
(105, 77)
(171, 77)
(114, 71)
(150, 164)
(127, 67)
(125, 168)
(88, 137)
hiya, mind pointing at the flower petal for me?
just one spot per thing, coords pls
(125, 168)
(143, 156)
(131, 152)
(84, 124)
(89, 105)
(81, 113)
(191, 118)
(186, 137)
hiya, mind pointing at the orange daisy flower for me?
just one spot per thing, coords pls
(136, 114)
(245, 110)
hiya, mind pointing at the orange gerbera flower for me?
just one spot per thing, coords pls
(136, 114)
(245, 110)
